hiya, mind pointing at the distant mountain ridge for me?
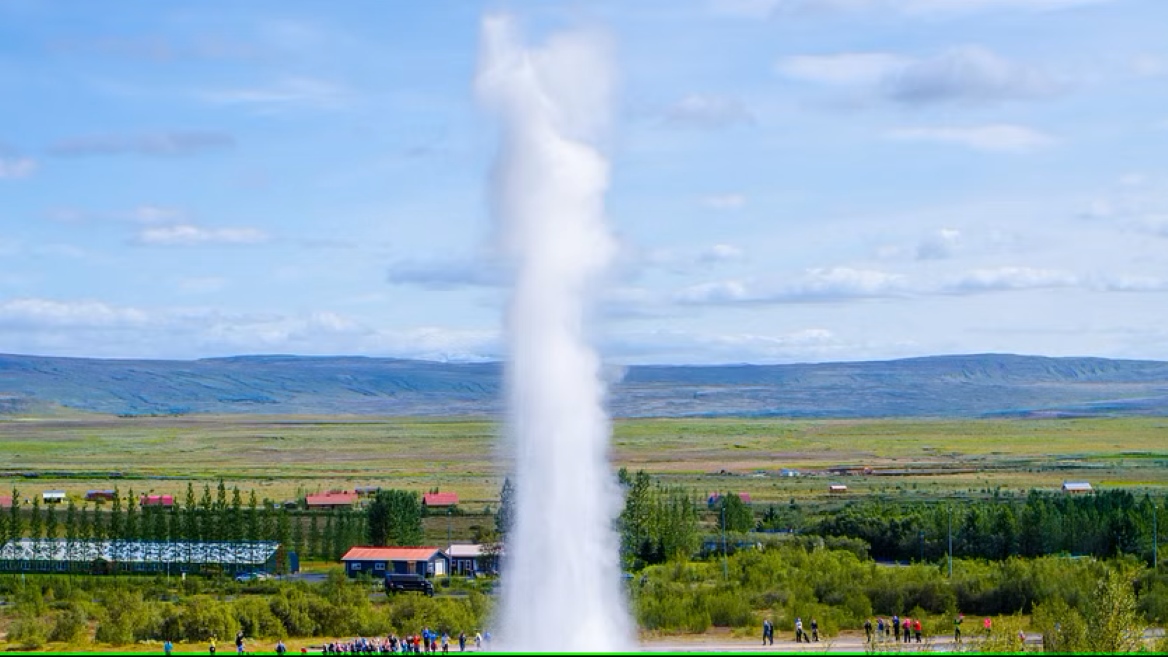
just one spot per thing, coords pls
(934, 386)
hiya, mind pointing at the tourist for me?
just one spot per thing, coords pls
(896, 627)
(768, 632)
(212, 647)
(906, 629)
(239, 642)
(461, 641)
(798, 630)
(814, 630)
(478, 640)
(281, 648)
(167, 647)
(868, 630)
(957, 628)
(917, 628)
(445, 643)
(880, 628)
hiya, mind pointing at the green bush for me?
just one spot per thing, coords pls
(71, 625)
(29, 633)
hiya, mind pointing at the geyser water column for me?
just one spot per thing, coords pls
(561, 586)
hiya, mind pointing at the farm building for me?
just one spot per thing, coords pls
(439, 500)
(367, 491)
(1076, 487)
(837, 489)
(428, 561)
(5, 501)
(849, 470)
(788, 472)
(331, 500)
(469, 560)
(163, 501)
(102, 495)
(109, 556)
(53, 496)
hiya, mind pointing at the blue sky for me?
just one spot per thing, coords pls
(793, 180)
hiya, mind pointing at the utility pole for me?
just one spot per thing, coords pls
(725, 562)
(950, 510)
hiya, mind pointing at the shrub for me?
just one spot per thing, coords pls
(71, 626)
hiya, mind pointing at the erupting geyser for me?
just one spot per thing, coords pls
(562, 589)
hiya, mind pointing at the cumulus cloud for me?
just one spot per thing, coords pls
(1009, 278)
(724, 201)
(773, 8)
(16, 167)
(815, 285)
(448, 273)
(143, 214)
(962, 74)
(98, 329)
(165, 144)
(939, 245)
(693, 347)
(708, 112)
(1002, 138)
(193, 235)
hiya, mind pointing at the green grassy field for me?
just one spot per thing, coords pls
(284, 457)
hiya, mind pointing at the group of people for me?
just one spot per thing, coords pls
(901, 630)
(427, 642)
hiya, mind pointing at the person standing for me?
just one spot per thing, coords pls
(768, 632)
(462, 642)
(167, 647)
(917, 629)
(868, 630)
(281, 648)
(814, 630)
(896, 627)
(957, 628)
(212, 647)
(798, 630)
(239, 642)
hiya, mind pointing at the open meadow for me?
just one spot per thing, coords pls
(285, 457)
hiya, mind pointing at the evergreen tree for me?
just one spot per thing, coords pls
(328, 537)
(284, 538)
(297, 522)
(505, 517)
(35, 528)
(96, 525)
(207, 520)
(340, 534)
(190, 515)
(5, 536)
(131, 531)
(235, 524)
(71, 528)
(114, 527)
(15, 522)
(252, 531)
(51, 523)
(393, 518)
(314, 539)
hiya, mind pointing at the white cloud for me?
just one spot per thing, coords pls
(449, 273)
(1002, 279)
(962, 74)
(168, 144)
(192, 235)
(939, 245)
(772, 8)
(1134, 283)
(93, 328)
(286, 93)
(815, 285)
(704, 111)
(849, 68)
(1002, 138)
(724, 201)
(696, 347)
(16, 167)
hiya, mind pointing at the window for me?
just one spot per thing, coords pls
(356, 566)
(380, 565)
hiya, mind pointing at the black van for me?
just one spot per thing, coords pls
(399, 582)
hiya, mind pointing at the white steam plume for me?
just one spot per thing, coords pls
(562, 589)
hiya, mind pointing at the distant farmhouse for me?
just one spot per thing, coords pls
(473, 559)
(161, 501)
(439, 500)
(53, 496)
(1076, 487)
(377, 561)
(837, 489)
(102, 495)
(331, 500)
(101, 557)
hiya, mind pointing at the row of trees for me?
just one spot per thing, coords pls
(1102, 524)
(394, 518)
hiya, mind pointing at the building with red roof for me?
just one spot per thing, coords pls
(331, 500)
(164, 501)
(439, 500)
(377, 561)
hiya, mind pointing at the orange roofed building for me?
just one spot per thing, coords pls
(377, 561)
(439, 500)
(331, 500)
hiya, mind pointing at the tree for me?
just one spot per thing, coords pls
(71, 528)
(35, 529)
(394, 518)
(505, 517)
(206, 515)
(235, 525)
(114, 526)
(1114, 625)
(738, 516)
(131, 530)
(51, 523)
(314, 550)
(284, 538)
(252, 532)
(15, 524)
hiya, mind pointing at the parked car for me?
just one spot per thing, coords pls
(401, 582)
(252, 577)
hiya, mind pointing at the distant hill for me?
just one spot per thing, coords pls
(953, 386)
